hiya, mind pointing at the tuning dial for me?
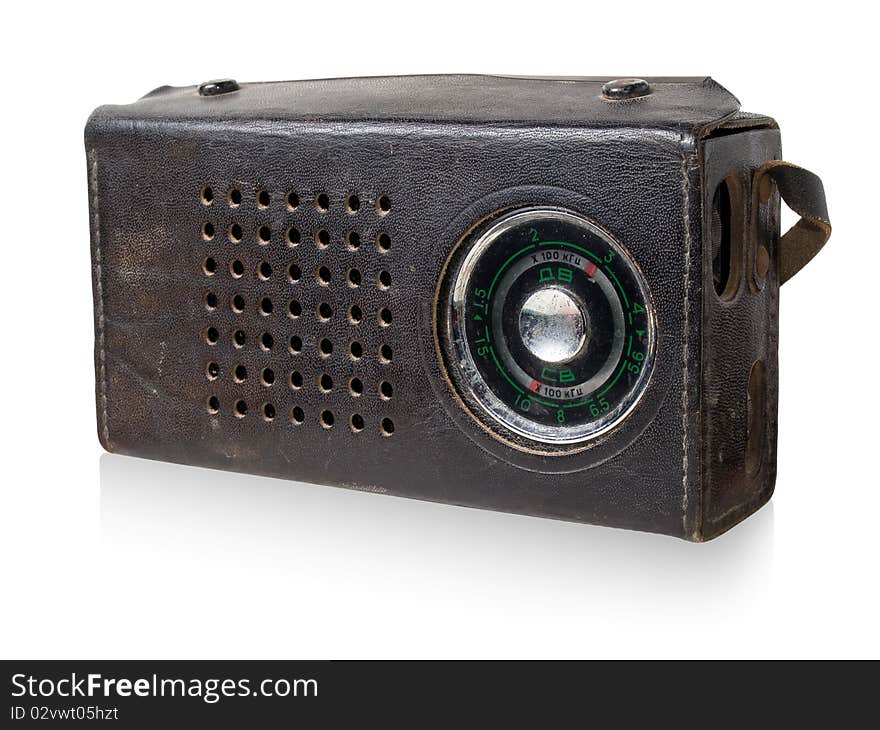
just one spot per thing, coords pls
(546, 327)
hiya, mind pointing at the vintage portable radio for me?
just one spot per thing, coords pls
(551, 296)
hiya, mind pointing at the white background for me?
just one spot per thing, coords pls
(110, 557)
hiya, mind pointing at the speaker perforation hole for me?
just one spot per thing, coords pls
(208, 231)
(266, 306)
(209, 266)
(354, 278)
(385, 317)
(355, 315)
(236, 268)
(383, 242)
(297, 416)
(263, 199)
(212, 335)
(322, 238)
(356, 350)
(240, 408)
(211, 301)
(355, 387)
(386, 354)
(356, 422)
(239, 338)
(294, 273)
(293, 236)
(235, 233)
(387, 427)
(322, 202)
(267, 377)
(212, 371)
(207, 195)
(384, 280)
(213, 405)
(327, 419)
(234, 197)
(383, 205)
(238, 304)
(325, 383)
(353, 240)
(296, 380)
(292, 201)
(325, 311)
(266, 341)
(352, 203)
(264, 235)
(295, 345)
(386, 390)
(264, 270)
(325, 347)
(239, 374)
(268, 412)
(294, 309)
(324, 276)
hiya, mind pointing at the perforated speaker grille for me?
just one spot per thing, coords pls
(297, 295)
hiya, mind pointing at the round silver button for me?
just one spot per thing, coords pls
(552, 325)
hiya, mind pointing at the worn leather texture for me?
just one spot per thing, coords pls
(438, 152)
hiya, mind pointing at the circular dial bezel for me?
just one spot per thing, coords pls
(609, 267)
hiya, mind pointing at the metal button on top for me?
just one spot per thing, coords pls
(552, 325)
(218, 86)
(625, 89)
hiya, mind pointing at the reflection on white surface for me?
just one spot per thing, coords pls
(370, 563)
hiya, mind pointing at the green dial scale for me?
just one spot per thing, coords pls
(549, 327)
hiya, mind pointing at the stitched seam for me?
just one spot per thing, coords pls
(99, 299)
(685, 441)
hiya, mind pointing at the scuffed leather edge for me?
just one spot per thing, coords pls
(691, 362)
(732, 517)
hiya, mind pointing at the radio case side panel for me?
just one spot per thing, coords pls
(739, 329)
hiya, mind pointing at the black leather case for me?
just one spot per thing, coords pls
(425, 157)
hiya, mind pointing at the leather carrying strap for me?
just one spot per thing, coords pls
(804, 193)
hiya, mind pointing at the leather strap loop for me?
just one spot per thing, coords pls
(804, 193)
